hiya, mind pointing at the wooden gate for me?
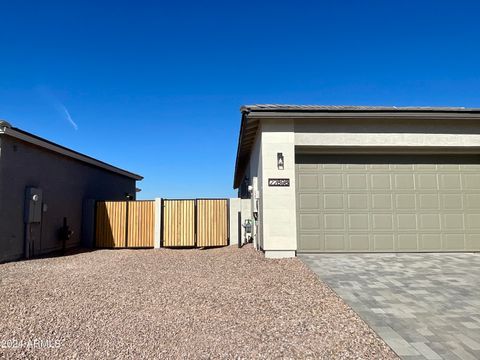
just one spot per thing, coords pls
(212, 222)
(121, 224)
(110, 224)
(178, 223)
(201, 223)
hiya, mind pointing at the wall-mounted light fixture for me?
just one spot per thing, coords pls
(280, 161)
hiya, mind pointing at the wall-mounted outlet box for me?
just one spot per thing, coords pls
(33, 205)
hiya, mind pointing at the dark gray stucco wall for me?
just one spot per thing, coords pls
(66, 185)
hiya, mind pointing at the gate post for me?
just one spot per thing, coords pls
(158, 223)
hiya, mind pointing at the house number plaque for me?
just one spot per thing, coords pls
(278, 182)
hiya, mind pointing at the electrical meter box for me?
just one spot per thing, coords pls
(33, 205)
(248, 226)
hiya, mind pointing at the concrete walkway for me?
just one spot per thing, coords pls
(425, 306)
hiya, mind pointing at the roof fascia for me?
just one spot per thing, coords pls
(361, 115)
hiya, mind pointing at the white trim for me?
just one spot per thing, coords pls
(279, 254)
(67, 152)
(158, 221)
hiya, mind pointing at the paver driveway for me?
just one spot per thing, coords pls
(422, 305)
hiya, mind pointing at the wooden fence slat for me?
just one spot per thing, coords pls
(110, 224)
(212, 217)
(179, 223)
(141, 223)
(186, 223)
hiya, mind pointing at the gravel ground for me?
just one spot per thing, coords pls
(219, 303)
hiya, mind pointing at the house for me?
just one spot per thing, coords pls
(46, 190)
(361, 178)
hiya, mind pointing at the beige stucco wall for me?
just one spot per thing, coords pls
(255, 171)
(388, 132)
(239, 212)
(279, 210)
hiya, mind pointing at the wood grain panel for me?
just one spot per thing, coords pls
(141, 223)
(212, 222)
(178, 223)
(110, 224)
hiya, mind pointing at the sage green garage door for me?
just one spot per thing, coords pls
(388, 203)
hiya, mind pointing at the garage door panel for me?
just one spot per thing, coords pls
(332, 181)
(356, 167)
(431, 242)
(426, 182)
(383, 242)
(429, 222)
(407, 222)
(309, 181)
(454, 242)
(472, 201)
(452, 201)
(449, 168)
(424, 167)
(453, 222)
(450, 182)
(333, 201)
(473, 221)
(314, 242)
(309, 201)
(334, 222)
(404, 181)
(359, 242)
(357, 181)
(310, 222)
(405, 201)
(428, 201)
(308, 167)
(472, 241)
(402, 167)
(388, 207)
(358, 222)
(471, 181)
(382, 222)
(331, 166)
(382, 202)
(469, 168)
(335, 242)
(406, 242)
(378, 167)
(380, 182)
(357, 201)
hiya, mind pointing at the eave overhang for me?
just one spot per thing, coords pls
(253, 114)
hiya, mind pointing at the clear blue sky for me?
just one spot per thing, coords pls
(155, 86)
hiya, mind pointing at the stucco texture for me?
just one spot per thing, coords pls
(66, 185)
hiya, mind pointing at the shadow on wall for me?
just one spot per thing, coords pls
(110, 224)
(124, 224)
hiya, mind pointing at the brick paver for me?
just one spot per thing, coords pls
(425, 306)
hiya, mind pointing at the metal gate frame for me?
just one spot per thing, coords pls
(162, 221)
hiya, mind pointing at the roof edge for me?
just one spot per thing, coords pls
(46, 144)
(352, 108)
(281, 112)
(236, 174)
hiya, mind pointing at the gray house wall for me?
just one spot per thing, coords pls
(66, 183)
